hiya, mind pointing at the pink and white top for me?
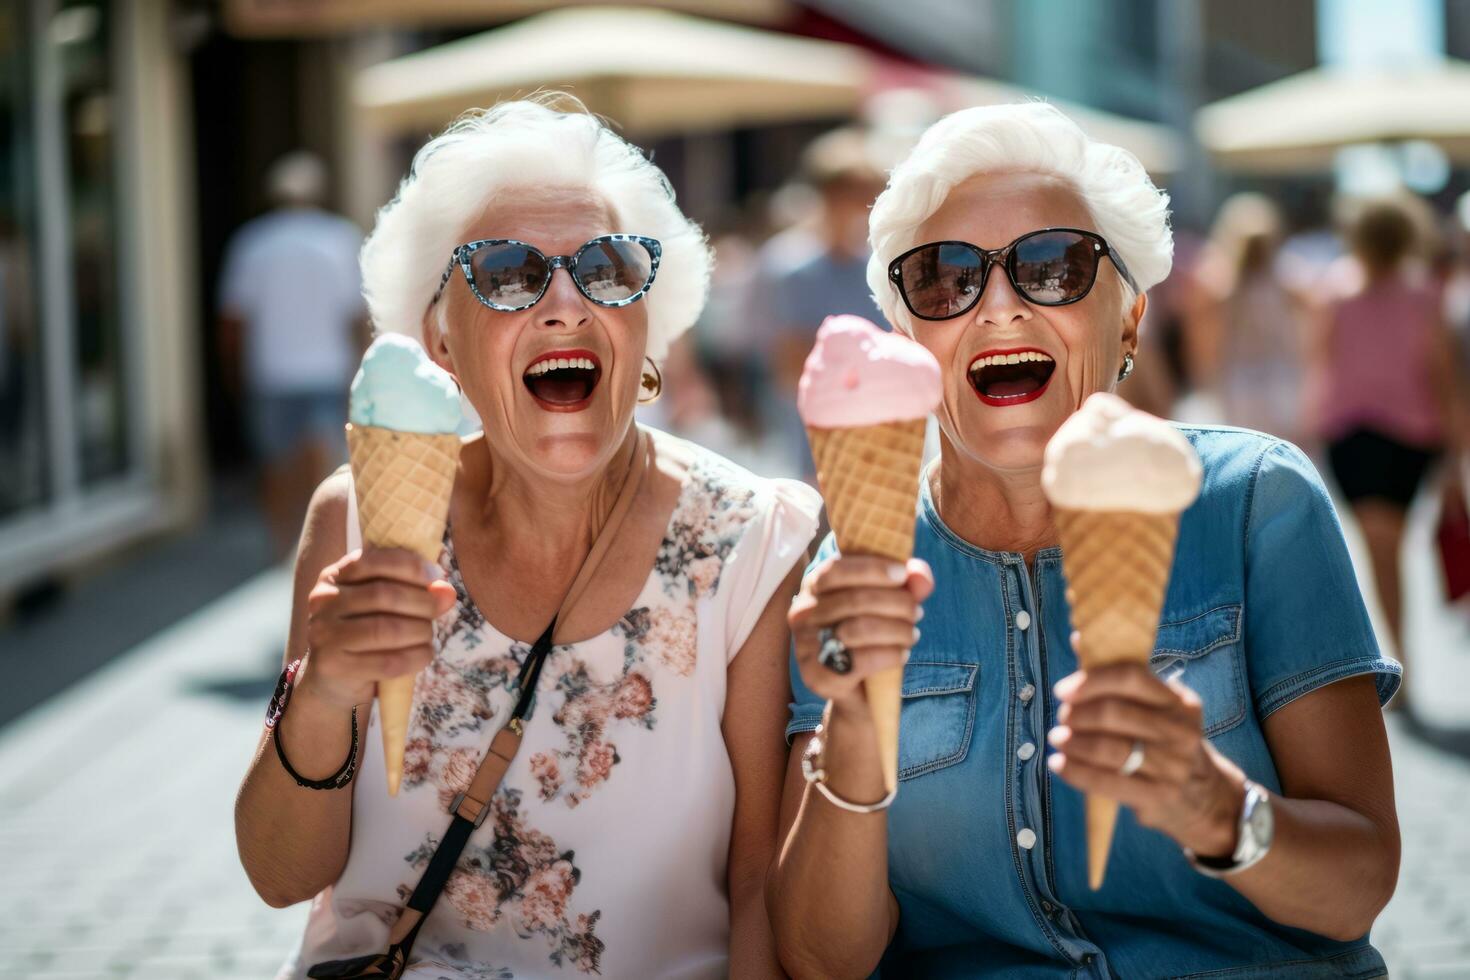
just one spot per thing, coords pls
(606, 847)
(1379, 363)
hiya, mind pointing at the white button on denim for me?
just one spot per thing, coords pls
(1026, 751)
(1027, 693)
(1026, 838)
(1023, 619)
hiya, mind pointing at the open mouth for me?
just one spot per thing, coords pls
(563, 380)
(1012, 377)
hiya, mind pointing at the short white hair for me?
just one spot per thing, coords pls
(1029, 137)
(458, 173)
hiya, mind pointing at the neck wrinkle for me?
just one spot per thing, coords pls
(996, 510)
(555, 517)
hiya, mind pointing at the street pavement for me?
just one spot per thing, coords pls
(116, 839)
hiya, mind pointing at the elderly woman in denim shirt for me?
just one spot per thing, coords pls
(1258, 835)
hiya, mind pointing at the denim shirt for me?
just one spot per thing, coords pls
(986, 848)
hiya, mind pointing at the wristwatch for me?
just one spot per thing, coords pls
(1256, 830)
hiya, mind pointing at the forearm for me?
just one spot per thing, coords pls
(1330, 869)
(830, 900)
(752, 944)
(293, 840)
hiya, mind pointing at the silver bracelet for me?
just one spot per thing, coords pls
(812, 772)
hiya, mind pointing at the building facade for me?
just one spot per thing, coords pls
(98, 438)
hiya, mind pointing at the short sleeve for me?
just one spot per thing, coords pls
(776, 538)
(806, 707)
(1305, 622)
(234, 279)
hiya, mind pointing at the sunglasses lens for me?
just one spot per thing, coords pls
(508, 275)
(941, 280)
(1055, 266)
(609, 272)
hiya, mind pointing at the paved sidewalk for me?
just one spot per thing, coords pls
(116, 825)
(117, 844)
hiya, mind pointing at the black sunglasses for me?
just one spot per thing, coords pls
(1049, 267)
(507, 275)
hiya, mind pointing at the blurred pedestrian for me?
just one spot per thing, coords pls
(292, 323)
(1388, 384)
(1245, 344)
(815, 271)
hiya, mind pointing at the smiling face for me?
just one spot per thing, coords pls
(1014, 371)
(555, 385)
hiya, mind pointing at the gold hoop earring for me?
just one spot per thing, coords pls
(652, 383)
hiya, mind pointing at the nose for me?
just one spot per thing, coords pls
(1000, 304)
(563, 306)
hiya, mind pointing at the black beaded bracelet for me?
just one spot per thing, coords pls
(338, 779)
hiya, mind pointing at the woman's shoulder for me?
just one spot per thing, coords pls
(325, 528)
(1233, 460)
(710, 478)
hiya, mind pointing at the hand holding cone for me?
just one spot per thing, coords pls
(404, 453)
(865, 396)
(1117, 479)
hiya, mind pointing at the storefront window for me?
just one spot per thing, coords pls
(23, 450)
(81, 38)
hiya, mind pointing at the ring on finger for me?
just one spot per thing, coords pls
(833, 653)
(1134, 762)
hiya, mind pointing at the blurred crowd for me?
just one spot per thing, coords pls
(1349, 337)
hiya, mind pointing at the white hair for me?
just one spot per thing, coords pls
(483, 153)
(299, 177)
(1030, 137)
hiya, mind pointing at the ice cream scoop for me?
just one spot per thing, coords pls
(398, 387)
(859, 375)
(1111, 456)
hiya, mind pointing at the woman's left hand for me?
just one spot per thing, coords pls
(1184, 787)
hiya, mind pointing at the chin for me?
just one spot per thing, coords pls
(1016, 441)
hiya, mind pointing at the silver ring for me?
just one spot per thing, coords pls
(833, 653)
(1134, 762)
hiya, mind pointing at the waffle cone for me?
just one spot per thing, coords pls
(869, 477)
(1117, 566)
(403, 482)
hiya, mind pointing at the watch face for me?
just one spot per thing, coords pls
(1258, 826)
(1262, 822)
(282, 694)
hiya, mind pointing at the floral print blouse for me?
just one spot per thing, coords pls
(605, 850)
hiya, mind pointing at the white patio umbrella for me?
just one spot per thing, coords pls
(652, 72)
(1298, 123)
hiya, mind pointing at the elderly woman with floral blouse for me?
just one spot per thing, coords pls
(542, 261)
(1258, 836)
